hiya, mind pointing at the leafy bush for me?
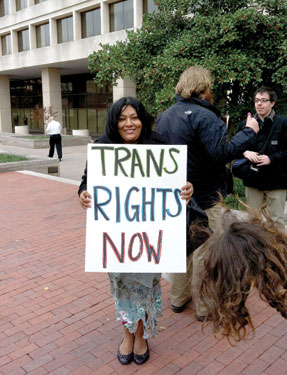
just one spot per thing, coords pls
(233, 200)
(210, 33)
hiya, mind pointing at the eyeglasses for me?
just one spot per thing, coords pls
(262, 100)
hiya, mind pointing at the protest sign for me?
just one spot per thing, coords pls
(137, 222)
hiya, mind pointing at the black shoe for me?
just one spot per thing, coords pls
(125, 359)
(200, 318)
(179, 309)
(140, 359)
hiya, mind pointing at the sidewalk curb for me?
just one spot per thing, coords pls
(49, 177)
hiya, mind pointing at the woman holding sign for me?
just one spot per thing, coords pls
(137, 295)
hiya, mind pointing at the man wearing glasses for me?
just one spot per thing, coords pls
(269, 177)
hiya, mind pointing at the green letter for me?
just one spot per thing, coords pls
(171, 150)
(118, 161)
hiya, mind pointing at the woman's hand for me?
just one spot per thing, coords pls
(85, 199)
(186, 192)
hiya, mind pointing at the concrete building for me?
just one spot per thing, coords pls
(44, 48)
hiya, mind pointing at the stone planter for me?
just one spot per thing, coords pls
(81, 132)
(35, 164)
(22, 129)
(28, 141)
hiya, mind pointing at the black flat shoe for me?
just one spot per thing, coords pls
(140, 359)
(125, 359)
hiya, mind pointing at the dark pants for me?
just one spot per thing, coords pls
(55, 139)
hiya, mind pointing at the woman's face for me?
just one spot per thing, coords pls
(129, 125)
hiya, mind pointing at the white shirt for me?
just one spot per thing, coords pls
(54, 127)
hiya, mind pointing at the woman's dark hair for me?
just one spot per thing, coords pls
(248, 253)
(114, 113)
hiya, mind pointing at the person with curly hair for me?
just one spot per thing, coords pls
(251, 253)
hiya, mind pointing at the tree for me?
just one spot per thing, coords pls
(41, 115)
(243, 44)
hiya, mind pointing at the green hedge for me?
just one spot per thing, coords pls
(7, 158)
(232, 200)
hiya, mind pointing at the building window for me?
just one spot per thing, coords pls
(65, 30)
(43, 36)
(25, 95)
(6, 44)
(84, 104)
(4, 7)
(91, 23)
(23, 40)
(39, 1)
(121, 15)
(149, 6)
(21, 4)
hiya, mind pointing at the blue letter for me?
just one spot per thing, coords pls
(145, 203)
(164, 192)
(179, 204)
(136, 207)
(98, 205)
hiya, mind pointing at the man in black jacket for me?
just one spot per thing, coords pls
(269, 178)
(195, 122)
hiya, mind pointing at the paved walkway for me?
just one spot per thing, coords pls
(56, 319)
(72, 165)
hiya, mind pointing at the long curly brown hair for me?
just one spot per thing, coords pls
(248, 253)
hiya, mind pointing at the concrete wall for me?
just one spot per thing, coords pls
(5, 105)
(125, 87)
(55, 60)
(72, 51)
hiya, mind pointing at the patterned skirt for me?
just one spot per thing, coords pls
(135, 301)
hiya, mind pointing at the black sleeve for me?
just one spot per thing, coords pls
(83, 184)
(213, 137)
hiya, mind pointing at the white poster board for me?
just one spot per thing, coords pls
(137, 222)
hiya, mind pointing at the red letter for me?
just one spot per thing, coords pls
(134, 259)
(150, 249)
(121, 257)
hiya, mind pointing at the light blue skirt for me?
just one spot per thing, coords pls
(137, 297)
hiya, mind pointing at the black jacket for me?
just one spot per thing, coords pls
(274, 175)
(153, 139)
(196, 123)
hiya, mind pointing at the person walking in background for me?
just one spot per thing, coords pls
(137, 296)
(269, 177)
(195, 122)
(54, 130)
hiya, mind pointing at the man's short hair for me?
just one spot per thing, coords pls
(194, 81)
(272, 94)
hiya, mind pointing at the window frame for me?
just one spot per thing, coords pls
(123, 15)
(22, 40)
(5, 8)
(84, 33)
(70, 23)
(20, 6)
(38, 35)
(4, 48)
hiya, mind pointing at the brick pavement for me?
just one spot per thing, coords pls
(56, 319)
